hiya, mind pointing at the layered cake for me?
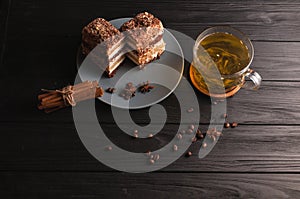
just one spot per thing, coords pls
(104, 44)
(144, 38)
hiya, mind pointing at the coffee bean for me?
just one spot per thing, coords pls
(135, 135)
(225, 115)
(204, 144)
(192, 127)
(189, 131)
(109, 148)
(234, 124)
(194, 139)
(218, 133)
(152, 161)
(213, 138)
(175, 147)
(188, 154)
(211, 131)
(190, 110)
(199, 135)
(226, 125)
(150, 135)
(156, 157)
(135, 131)
(179, 136)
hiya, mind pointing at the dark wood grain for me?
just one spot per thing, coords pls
(277, 61)
(47, 147)
(4, 13)
(262, 21)
(41, 156)
(273, 103)
(43, 57)
(157, 185)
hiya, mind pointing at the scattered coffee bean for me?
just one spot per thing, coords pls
(148, 153)
(218, 133)
(152, 161)
(110, 90)
(234, 124)
(199, 134)
(190, 110)
(135, 135)
(150, 135)
(213, 138)
(109, 148)
(225, 115)
(211, 131)
(135, 131)
(226, 125)
(156, 157)
(179, 136)
(189, 131)
(204, 145)
(215, 102)
(192, 127)
(194, 139)
(188, 154)
(175, 147)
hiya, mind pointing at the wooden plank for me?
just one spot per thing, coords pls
(277, 60)
(273, 103)
(52, 147)
(4, 12)
(151, 185)
(260, 20)
(45, 58)
(249, 149)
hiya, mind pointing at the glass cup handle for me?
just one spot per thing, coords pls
(255, 78)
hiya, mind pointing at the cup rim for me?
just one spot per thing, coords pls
(246, 37)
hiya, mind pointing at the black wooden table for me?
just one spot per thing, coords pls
(41, 155)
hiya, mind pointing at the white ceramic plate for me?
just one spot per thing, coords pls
(164, 79)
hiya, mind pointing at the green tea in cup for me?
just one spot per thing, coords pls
(222, 57)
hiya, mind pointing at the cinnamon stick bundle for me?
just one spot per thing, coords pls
(52, 100)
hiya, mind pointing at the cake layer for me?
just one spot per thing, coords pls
(99, 31)
(132, 42)
(114, 65)
(104, 44)
(144, 35)
(133, 46)
(148, 54)
(103, 47)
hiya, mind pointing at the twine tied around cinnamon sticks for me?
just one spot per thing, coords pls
(66, 93)
(52, 100)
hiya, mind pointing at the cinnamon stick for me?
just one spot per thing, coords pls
(52, 100)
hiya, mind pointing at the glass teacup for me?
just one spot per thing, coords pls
(222, 56)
